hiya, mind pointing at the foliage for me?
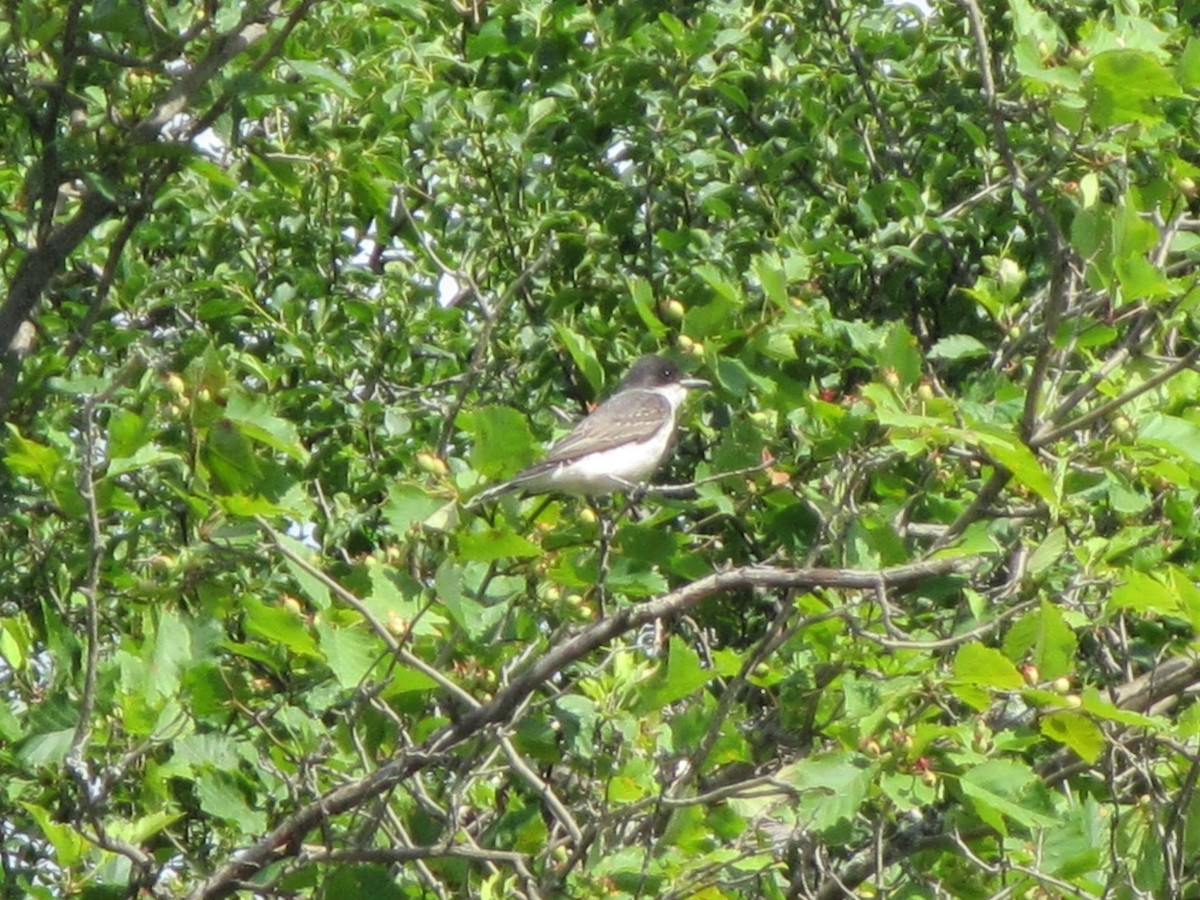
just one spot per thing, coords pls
(286, 282)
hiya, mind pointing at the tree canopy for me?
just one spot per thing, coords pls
(911, 612)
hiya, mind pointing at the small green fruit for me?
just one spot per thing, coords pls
(432, 464)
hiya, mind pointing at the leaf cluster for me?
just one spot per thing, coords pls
(911, 611)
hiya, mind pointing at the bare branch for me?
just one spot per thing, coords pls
(281, 840)
(90, 590)
(1049, 435)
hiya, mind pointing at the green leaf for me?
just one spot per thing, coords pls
(958, 346)
(1043, 637)
(642, 296)
(1047, 552)
(502, 444)
(1095, 705)
(715, 279)
(521, 828)
(977, 664)
(628, 579)
(1170, 593)
(495, 543)
(69, 845)
(195, 752)
(15, 643)
(632, 783)
(1177, 436)
(277, 625)
(1076, 731)
(1140, 279)
(406, 681)
(488, 40)
(254, 419)
(219, 796)
(540, 111)
(399, 602)
(995, 788)
(408, 505)
(1129, 86)
(31, 459)
(141, 830)
(769, 271)
(322, 74)
(687, 829)
(978, 668)
(230, 457)
(1144, 593)
(901, 354)
(127, 432)
(679, 677)
(1074, 848)
(47, 748)
(584, 357)
(1187, 68)
(1011, 453)
(243, 507)
(362, 880)
(832, 787)
(144, 457)
(173, 653)
(349, 653)
(1031, 22)
(471, 616)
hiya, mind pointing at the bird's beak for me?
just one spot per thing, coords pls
(694, 383)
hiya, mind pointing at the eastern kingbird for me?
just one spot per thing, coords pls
(618, 446)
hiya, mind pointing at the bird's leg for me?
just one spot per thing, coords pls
(635, 494)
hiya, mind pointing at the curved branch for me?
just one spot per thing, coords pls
(285, 839)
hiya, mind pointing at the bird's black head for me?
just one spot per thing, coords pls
(657, 371)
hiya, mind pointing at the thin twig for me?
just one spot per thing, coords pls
(287, 834)
(1044, 437)
(543, 790)
(347, 597)
(688, 489)
(983, 501)
(483, 345)
(90, 590)
(1060, 278)
(133, 218)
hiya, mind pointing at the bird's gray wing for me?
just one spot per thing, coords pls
(626, 416)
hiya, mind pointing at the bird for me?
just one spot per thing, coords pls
(619, 445)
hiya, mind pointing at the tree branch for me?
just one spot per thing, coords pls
(282, 840)
(42, 263)
(1166, 679)
(90, 590)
